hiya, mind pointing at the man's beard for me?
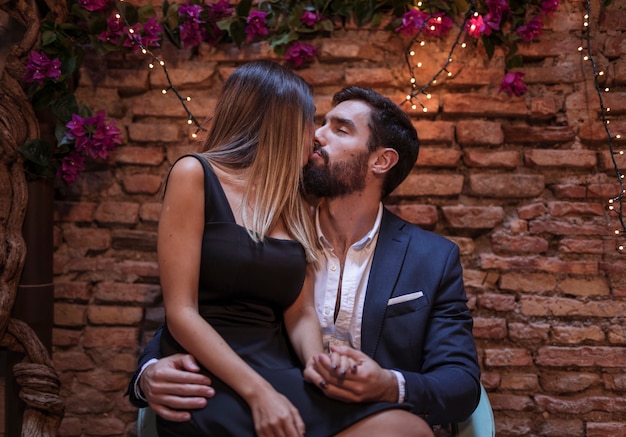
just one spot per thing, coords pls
(337, 179)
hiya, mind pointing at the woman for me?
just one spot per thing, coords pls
(235, 246)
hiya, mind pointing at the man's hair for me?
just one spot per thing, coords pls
(389, 127)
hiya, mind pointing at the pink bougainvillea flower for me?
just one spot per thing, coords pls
(40, 68)
(513, 84)
(310, 18)
(191, 31)
(412, 22)
(95, 136)
(115, 29)
(477, 27)
(548, 7)
(256, 25)
(298, 53)
(531, 30)
(220, 9)
(71, 166)
(94, 5)
(146, 35)
(438, 24)
(497, 8)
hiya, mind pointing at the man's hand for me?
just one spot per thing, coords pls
(364, 382)
(173, 385)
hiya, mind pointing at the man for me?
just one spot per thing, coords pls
(389, 295)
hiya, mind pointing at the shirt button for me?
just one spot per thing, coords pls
(333, 267)
(327, 312)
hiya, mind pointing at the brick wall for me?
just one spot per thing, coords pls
(521, 184)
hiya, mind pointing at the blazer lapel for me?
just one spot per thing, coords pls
(389, 256)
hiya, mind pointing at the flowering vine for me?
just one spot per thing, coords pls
(287, 25)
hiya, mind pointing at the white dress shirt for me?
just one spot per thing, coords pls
(329, 279)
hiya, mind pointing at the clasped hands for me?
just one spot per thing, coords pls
(349, 375)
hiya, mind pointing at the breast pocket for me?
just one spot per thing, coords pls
(407, 303)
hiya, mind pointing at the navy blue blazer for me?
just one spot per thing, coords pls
(415, 320)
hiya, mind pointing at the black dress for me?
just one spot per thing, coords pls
(244, 287)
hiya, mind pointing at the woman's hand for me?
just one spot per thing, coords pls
(275, 416)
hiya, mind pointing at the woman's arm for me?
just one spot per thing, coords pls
(179, 243)
(302, 323)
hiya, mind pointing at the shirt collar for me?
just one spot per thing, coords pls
(363, 243)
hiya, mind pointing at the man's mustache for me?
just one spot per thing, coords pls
(319, 149)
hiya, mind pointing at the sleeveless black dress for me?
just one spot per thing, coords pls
(244, 287)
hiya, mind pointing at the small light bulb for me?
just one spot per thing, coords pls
(162, 63)
(164, 91)
(151, 65)
(189, 121)
(419, 65)
(425, 109)
(414, 107)
(412, 53)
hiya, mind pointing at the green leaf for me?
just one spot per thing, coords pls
(37, 151)
(243, 8)
(145, 12)
(514, 62)
(48, 37)
(64, 106)
(489, 46)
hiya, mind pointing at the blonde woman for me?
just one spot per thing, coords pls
(235, 249)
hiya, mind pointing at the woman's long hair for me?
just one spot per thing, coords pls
(261, 122)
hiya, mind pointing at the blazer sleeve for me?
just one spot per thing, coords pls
(447, 387)
(151, 351)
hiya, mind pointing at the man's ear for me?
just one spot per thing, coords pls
(386, 158)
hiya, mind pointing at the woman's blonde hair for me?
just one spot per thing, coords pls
(261, 122)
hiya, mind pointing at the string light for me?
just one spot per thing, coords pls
(191, 120)
(616, 204)
(414, 97)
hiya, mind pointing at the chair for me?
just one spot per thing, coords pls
(481, 423)
(146, 423)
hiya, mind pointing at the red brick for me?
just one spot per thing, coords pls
(577, 228)
(569, 191)
(579, 405)
(435, 132)
(510, 402)
(502, 243)
(584, 287)
(473, 217)
(72, 360)
(489, 328)
(563, 307)
(79, 212)
(561, 427)
(66, 314)
(430, 185)
(110, 337)
(551, 265)
(560, 158)
(507, 357)
(506, 185)
(576, 334)
(72, 291)
(114, 315)
(539, 135)
(65, 337)
(568, 382)
(532, 211)
(103, 380)
(582, 356)
(520, 382)
(322, 76)
(617, 335)
(154, 132)
(438, 157)
(115, 292)
(422, 215)
(87, 238)
(149, 212)
(369, 77)
(531, 331)
(483, 158)
(606, 429)
(543, 108)
(497, 302)
(476, 132)
(117, 213)
(147, 156)
(569, 245)
(105, 426)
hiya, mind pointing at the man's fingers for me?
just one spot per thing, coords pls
(188, 362)
(171, 415)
